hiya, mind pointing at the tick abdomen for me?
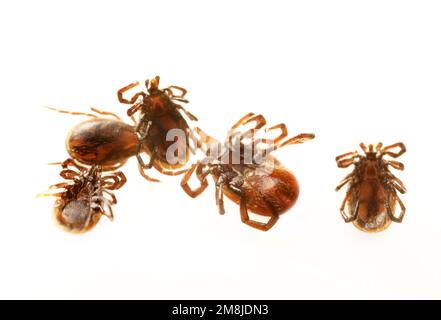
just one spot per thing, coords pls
(268, 194)
(76, 215)
(101, 141)
(157, 141)
(372, 215)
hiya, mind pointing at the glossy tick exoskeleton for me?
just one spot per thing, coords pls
(263, 187)
(84, 197)
(371, 197)
(159, 114)
(107, 142)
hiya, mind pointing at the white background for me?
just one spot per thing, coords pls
(349, 71)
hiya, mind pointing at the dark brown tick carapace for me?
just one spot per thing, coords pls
(160, 116)
(84, 197)
(106, 142)
(371, 197)
(264, 187)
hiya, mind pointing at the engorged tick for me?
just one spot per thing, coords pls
(264, 187)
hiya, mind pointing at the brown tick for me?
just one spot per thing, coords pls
(84, 197)
(264, 187)
(105, 141)
(159, 114)
(371, 196)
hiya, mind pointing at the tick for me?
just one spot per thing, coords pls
(371, 196)
(104, 140)
(159, 114)
(84, 197)
(107, 142)
(264, 187)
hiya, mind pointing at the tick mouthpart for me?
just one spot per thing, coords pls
(369, 150)
(154, 83)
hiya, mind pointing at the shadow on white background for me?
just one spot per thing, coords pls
(349, 72)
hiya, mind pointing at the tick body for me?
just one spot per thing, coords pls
(105, 141)
(85, 197)
(264, 187)
(371, 201)
(265, 193)
(101, 141)
(159, 113)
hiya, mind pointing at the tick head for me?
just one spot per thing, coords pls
(154, 85)
(370, 151)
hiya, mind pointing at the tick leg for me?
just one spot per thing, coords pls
(363, 147)
(395, 183)
(220, 195)
(183, 91)
(345, 160)
(126, 88)
(398, 219)
(294, 140)
(398, 185)
(353, 215)
(400, 145)
(206, 141)
(52, 187)
(172, 173)
(345, 180)
(242, 120)
(68, 174)
(141, 138)
(73, 112)
(109, 212)
(145, 126)
(112, 196)
(135, 123)
(142, 166)
(55, 163)
(141, 162)
(184, 183)
(259, 120)
(144, 175)
(395, 164)
(119, 179)
(283, 133)
(133, 109)
(71, 163)
(105, 113)
(303, 137)
(244, 216)
(59, 185)
(403, 209)
(57, 194)
(187, 113)
(260, 123)
(346, 155)
(272, 142)
(379, 146)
